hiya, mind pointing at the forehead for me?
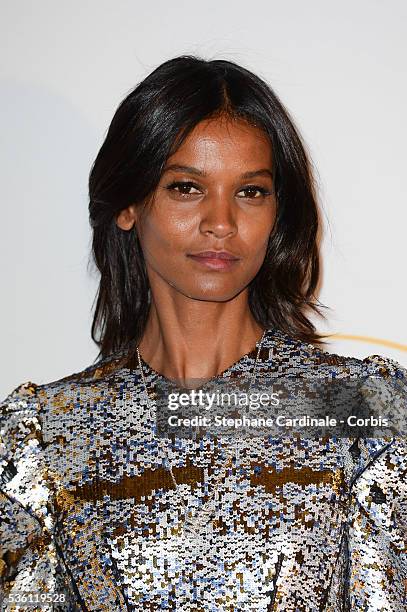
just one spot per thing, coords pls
(217, 141)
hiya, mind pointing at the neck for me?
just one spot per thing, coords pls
(187, 338)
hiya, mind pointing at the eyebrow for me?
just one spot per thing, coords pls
(192, 170)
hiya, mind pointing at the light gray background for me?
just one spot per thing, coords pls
(339, 67)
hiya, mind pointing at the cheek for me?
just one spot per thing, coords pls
(166, 233)
(256, 235)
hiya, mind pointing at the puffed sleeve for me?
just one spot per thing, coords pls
(377, 536)
(26, 554)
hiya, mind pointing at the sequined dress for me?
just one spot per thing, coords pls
(90, 516)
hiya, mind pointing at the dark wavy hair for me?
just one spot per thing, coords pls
(147, 127)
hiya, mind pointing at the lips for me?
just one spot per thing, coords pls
(219, 261)
(214, 255)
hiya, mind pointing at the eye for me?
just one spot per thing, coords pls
(182, 188)
(251, 189)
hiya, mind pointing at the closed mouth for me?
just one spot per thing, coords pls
(214, 255)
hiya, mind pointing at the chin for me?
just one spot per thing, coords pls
(213, 293)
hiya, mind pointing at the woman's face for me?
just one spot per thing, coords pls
(206, 231)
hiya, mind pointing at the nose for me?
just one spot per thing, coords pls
(218, 217)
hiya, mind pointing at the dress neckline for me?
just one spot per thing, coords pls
(250, 355)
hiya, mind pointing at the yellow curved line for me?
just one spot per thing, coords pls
(396, 345)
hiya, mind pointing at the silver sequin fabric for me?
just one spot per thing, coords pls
(89, 514)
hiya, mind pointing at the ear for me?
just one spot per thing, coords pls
(127, 217)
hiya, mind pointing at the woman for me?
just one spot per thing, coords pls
(204, 219)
